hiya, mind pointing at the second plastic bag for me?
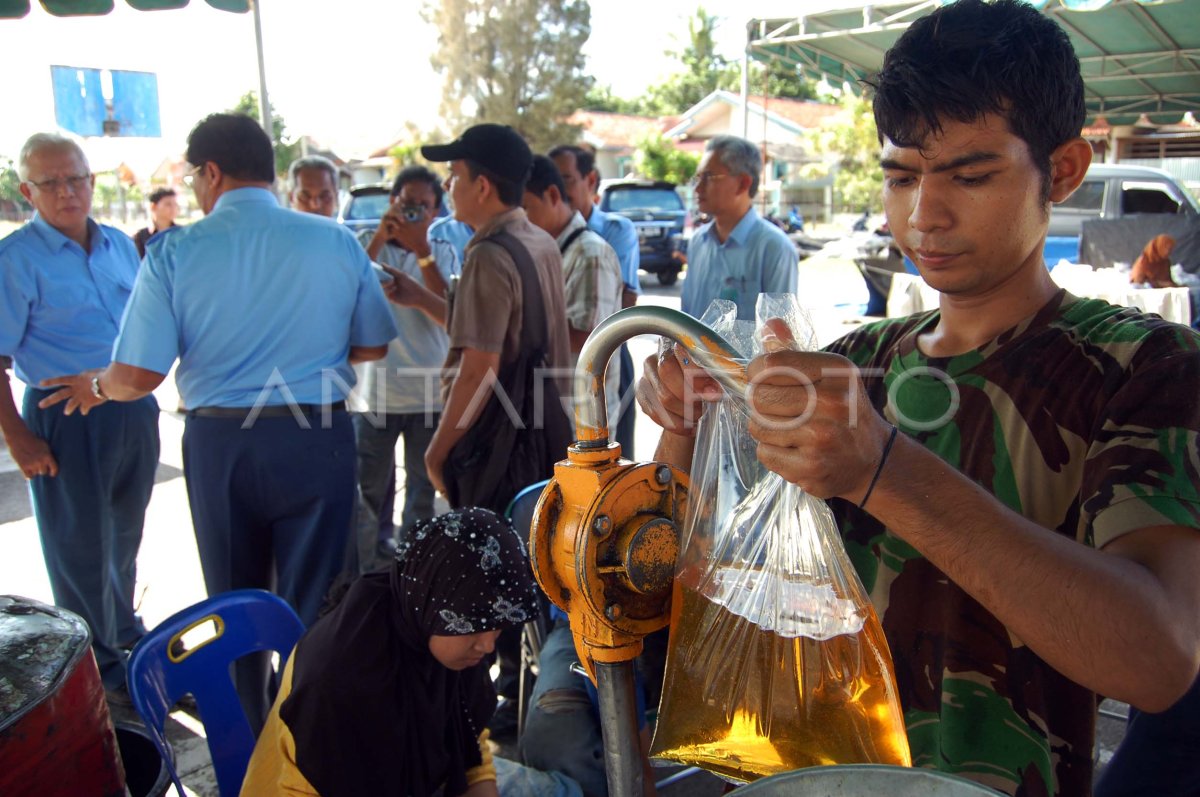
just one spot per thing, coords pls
(776, 658)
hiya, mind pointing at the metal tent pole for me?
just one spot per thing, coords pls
(264, 102)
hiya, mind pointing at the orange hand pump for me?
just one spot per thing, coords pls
(606, 530)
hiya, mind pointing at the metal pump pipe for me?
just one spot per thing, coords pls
(615, 679)
(706, 348)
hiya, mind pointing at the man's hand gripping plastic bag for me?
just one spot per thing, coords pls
(776, 658)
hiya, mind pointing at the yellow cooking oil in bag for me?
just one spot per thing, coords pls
(776, 659)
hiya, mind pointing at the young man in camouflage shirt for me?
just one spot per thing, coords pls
(1028, 536)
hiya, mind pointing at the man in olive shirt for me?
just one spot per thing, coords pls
(489, 165)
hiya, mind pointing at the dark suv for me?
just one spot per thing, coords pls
(657, 214)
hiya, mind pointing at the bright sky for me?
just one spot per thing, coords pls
(349, 73)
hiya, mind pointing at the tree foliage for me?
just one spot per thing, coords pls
(704, 70)
(658, 159)
(601, 98)
(515, 62)
(10, 181)
(781, 80)
(285, 153)
(851, 144)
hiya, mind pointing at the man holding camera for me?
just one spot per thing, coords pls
(400, 389)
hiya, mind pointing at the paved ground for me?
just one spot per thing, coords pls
(169, 571)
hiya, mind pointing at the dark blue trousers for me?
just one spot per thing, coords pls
(272, 506)
(90, 516)
(1159, 754)
(625, 421)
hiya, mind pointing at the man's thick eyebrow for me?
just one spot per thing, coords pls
(970, 159)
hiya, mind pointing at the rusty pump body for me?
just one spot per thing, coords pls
(606, 530)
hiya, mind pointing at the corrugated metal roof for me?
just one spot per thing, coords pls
(1137, 56)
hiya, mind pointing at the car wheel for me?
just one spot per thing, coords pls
(668, 277)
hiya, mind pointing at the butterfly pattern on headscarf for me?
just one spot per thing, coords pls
(473, 587)
(456, 624)
(491, 554)
(507, 612)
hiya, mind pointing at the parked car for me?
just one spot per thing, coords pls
(365, 206)
(657, 213)
(1112, 191)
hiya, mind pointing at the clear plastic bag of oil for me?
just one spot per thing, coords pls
(776, 660)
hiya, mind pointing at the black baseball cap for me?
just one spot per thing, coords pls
(497, 148)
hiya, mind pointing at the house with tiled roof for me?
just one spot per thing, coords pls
(615, 136)
(783, 128)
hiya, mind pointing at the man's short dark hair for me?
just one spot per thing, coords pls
(418, 174)
(236, 143)
(585, 161)
(510, 192)
(159, 194)
(542, 175)
(973, 58)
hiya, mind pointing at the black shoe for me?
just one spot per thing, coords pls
(503, 724)
(129, 646)
(118, 697)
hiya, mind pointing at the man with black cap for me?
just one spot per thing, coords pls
(489, 165)
(486, 311)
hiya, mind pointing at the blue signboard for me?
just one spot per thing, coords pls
(104, 102)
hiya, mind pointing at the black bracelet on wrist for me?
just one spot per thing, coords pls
(887, 449)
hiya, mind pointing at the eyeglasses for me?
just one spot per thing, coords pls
(75, 183)
(705, 177)
(189, 179)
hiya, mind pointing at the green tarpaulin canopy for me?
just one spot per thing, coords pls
(1137, 56)
(15, 9)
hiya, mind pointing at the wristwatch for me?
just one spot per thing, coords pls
(428, 260)
(96, 391)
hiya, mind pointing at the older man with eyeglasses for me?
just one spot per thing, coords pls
(64, 282)
(739, 254)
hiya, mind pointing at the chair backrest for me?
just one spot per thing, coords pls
(520, 508)
(165, 665)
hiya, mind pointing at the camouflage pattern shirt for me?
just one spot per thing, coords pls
(1083, 418)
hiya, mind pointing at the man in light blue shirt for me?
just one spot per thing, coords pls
(449, 230)
(577, 167)
(738, 254)
(64, 282)
(266, 309)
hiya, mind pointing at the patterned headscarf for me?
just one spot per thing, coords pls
(371, 710)
(461, 573)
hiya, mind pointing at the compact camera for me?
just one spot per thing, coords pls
(412, 213)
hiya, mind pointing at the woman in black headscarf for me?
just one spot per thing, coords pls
(389, 694)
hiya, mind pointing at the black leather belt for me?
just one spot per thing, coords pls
(268, 411)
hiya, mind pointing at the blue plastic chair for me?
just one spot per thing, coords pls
(520, 512)
(164, 666)
(520, 508)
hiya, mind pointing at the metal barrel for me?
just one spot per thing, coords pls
(865, 780)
